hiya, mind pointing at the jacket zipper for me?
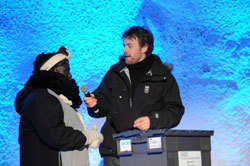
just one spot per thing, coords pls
(126, 71)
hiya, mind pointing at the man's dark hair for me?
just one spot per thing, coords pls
(145, 37)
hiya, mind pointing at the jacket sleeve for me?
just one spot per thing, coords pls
(46, 116)
(171, 112)
(102, 94)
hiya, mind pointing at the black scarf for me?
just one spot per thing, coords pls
(58, 83)
(138, 70)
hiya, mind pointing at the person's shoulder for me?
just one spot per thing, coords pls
(119, 65)
(42, 95)
(159, 67)
(40, 92)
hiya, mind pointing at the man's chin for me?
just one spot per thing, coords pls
(128, 61)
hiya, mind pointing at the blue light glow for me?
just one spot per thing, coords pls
(208, 42)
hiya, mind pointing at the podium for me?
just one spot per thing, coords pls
(164, 147)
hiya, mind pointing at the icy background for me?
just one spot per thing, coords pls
(207, 41)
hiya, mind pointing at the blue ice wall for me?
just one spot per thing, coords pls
(208, 42)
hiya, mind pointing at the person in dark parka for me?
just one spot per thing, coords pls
(51, 131)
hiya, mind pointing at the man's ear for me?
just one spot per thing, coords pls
(144, 49)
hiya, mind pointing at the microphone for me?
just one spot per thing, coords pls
(84, 89)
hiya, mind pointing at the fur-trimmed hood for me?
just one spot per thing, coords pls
(155, 58)
(57, 82)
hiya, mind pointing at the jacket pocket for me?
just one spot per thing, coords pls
(120, 94)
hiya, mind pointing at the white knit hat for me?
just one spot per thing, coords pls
(63, 53)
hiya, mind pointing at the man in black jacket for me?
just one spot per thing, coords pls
(138, 92)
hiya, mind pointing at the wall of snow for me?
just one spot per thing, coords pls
(208, 43)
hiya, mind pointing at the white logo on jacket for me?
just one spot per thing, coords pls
(146, 89)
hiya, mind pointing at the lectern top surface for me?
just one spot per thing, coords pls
(164, 132)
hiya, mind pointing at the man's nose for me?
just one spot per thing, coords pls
(124, 50)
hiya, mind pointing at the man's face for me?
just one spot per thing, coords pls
(132, 51)
(64, 69)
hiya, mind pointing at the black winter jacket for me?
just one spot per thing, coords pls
(42, 132)
(156, 96)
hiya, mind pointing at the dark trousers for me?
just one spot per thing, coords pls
(111, 161)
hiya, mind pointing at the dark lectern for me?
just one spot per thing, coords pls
(164, 147)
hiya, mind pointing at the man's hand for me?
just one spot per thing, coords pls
(142, 123)
(90, 101)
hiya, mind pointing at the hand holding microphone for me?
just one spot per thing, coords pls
(89, 99)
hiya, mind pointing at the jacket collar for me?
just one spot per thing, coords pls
(158, 68)
(58, 83)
